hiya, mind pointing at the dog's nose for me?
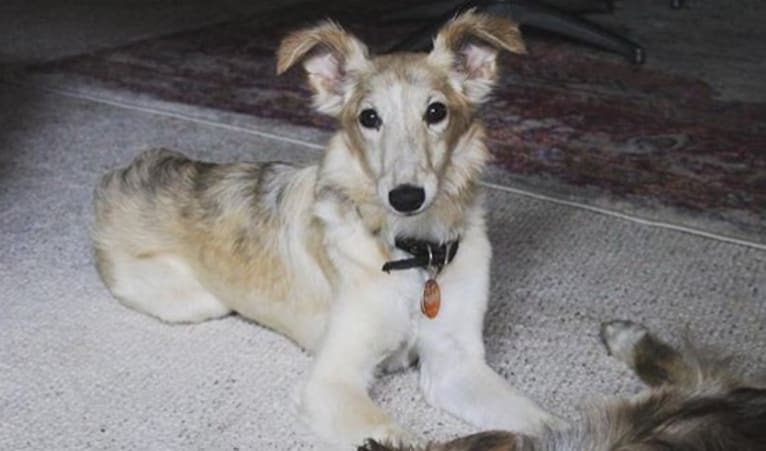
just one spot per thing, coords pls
(406, 198)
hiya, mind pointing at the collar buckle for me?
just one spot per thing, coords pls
(425, 254)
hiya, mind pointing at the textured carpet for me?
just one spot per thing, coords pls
(679, 140)
(79, 371)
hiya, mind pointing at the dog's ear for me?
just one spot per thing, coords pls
(331, 58)
(469, 44)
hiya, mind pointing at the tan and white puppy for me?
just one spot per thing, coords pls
(300, 250)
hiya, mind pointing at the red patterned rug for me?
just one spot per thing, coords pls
(565, 118)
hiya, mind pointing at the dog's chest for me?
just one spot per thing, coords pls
(417, 286)
(408, 310)
(407, 320)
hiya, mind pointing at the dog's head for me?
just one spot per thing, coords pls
(404, 116)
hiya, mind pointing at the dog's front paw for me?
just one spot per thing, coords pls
(373, 445)
(621, 337)
(394, 437)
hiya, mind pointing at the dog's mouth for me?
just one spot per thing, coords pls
(409, 214)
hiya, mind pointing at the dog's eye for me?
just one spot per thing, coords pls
(435, 113)
(369, 118)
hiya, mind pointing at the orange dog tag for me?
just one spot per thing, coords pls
(432, 299)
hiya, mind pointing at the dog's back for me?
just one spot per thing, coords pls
(163, 196)
(186, 240)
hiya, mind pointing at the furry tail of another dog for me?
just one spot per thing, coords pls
(696, 400)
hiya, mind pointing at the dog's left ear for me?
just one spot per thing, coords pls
(331, 57)
(469, 44)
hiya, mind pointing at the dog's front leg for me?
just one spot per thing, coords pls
(453, 372)
(335, 401)
(369, 319)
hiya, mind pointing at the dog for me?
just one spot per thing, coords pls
(301, 250)
(696, 401)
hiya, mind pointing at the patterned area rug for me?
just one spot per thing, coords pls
(565, 118)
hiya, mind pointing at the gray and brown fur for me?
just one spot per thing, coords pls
(220, 218)
(695, 401)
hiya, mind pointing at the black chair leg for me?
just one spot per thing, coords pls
(533, 14)
(543, 17)
(422, 38)
(436, 8)
(582, 6)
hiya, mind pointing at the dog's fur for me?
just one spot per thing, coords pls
(300, 250)
(696, 402)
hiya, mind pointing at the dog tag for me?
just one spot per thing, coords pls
(432, 299)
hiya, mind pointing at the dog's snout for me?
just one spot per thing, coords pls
(406, 198)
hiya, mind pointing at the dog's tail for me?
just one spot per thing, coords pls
(657, 363)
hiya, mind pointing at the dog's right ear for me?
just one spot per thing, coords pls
(331, 57)
(469, 44)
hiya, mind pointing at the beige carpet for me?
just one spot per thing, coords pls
(79, 371)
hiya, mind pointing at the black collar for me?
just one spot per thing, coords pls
(425, 254)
